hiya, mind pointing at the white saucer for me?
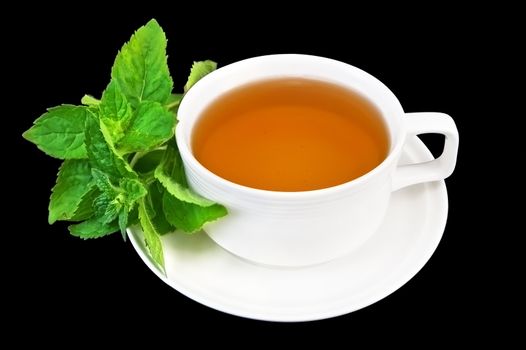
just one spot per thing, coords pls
(203, 271)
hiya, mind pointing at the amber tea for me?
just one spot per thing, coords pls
(290, 134)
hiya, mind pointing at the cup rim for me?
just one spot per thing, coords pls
(188, 157)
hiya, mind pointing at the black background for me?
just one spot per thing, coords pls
(429, 59)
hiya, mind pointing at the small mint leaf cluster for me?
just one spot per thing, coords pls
(121, 163)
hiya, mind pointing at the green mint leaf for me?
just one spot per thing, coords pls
(74, 181)
(116, 201)
(182, 207)
(151, 125)
(103, 182)
(190, 217)
(85, 208)
(198, 71)
(115, 111)
(155, 209)
(123, 223)
(93, 228)
(114, 104)
(60, 132)
(102, 153)
(133, 190)
(105, 208)
(170, 174)
(140, 67)
(128, 219)
(89, 100)
(151, 235)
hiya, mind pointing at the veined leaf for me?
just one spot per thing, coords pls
(141, 69)
(116, 201)
(198, 71)
(74, 181)
(101, 151)
(115, 111)
(156, 210)
(151, 235)
(170, 174)
(190, 217)
(182, 207)
(60, 132)
(93, 228)
(151, 125)
(85, 208)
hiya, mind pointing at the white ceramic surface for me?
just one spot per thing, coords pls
(410, 233)
(283, 228)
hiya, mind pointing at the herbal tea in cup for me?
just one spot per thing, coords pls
(290, 134)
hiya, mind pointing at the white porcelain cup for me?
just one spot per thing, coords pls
(305, 228)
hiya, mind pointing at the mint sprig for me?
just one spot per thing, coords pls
(121, 163)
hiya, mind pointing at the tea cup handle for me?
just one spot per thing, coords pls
(437, 169)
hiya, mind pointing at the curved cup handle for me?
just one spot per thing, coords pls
(437, 169)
